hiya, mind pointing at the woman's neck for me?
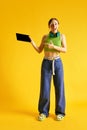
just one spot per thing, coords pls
(54, 31)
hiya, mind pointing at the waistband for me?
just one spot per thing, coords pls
(52, 58)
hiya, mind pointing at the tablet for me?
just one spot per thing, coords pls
(23, 37)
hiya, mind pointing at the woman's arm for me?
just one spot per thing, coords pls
(63, 48)
(40, 48)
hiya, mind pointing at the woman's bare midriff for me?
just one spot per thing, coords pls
(51, 54)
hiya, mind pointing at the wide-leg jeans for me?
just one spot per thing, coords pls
(45, 85)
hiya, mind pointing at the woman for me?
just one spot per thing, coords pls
(52, 43)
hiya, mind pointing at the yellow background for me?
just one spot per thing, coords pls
(20, 63)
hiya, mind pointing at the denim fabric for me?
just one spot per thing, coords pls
(58, 79)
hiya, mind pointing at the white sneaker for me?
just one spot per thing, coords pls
(41, 117)
(59, 117)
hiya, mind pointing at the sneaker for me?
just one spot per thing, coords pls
(59, 117)
(41, 117)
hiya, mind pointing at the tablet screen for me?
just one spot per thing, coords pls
(23, 37)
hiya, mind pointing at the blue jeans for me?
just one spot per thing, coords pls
(58, 79)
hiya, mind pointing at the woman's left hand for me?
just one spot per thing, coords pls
(51, 45)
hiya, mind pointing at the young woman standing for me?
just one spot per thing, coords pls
(52, 44)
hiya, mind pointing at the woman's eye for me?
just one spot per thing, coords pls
(55, 24)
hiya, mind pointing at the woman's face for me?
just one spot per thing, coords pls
(54, 26)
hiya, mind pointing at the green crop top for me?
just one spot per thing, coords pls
(55, 38)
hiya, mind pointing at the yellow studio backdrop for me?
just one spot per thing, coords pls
(20, 64)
